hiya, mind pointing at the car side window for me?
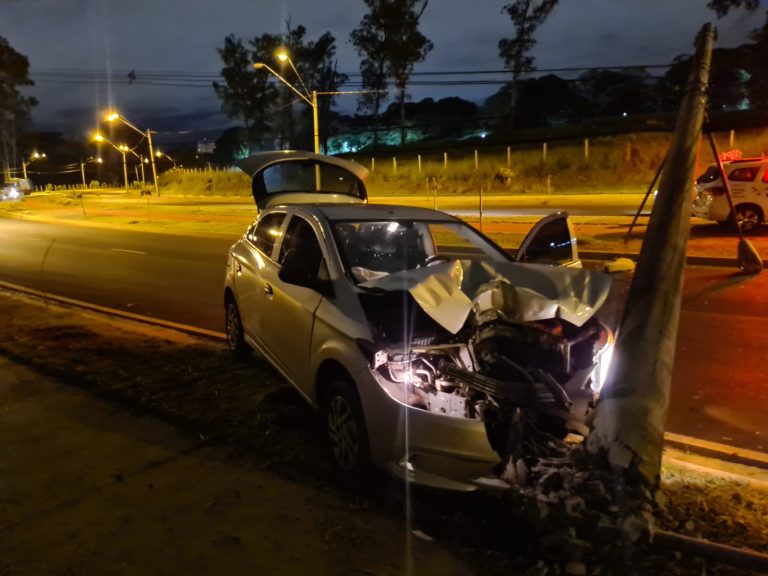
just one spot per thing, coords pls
(743, 174)
(301, 244)
(266, 232)
(551, 244)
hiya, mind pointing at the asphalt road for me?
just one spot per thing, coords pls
(719, 391)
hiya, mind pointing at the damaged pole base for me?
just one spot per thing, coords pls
(748, 259)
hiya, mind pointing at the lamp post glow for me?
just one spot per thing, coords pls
(112, 116)
(142, 161)
(32, 158)
(310, 97)
(122, 149)
(97, 160)
(160, 154)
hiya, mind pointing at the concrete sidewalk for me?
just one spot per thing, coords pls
(86, 488)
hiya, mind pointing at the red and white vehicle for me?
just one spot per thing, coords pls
(748, 180)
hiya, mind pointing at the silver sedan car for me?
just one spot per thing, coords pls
(428, 351)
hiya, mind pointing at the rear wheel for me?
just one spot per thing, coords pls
(345, 429)
(234, 327)
(748, 217)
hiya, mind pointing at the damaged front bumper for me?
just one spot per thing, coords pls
(434, 421)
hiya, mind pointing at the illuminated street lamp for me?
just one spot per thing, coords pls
(96, 160)
(32, 158)
(142, 161)
(159, 154)
(122, 148)
(308, 97)
(114, 115)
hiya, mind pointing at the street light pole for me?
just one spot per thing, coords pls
(152, 160)
(125, 168)
(97, 160)
(33, 157)
(315, 121)
(122, 148)
(112, 116)
(311, 99)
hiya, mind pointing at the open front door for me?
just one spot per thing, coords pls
(550, 241)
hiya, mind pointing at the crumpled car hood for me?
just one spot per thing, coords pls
(448, 291)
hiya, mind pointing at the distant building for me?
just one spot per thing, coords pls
(205, 147)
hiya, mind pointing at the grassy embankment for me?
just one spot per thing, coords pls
(624, 163)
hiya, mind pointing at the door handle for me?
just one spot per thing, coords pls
(268, 289)
(238, 267)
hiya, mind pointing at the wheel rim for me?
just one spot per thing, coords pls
(748, 219)
(233, 326)
(343, 433)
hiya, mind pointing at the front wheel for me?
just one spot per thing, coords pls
(345, 429)
(234, 327)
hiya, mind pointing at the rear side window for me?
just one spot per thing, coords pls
(301, 244)
(712, 173)
(266, 232)
(743, 174)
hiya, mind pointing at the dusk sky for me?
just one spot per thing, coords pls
(71, 44)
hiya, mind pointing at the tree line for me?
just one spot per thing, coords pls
(389, 43)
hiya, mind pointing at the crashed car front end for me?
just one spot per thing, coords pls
(475, 397)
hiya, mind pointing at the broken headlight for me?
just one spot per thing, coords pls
(602, 365)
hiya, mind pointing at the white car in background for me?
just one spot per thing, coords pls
(748, 180)
(10, 192)
(427, 349)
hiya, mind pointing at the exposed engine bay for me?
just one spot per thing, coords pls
(514, 374)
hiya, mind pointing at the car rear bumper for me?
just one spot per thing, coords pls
(710, 208)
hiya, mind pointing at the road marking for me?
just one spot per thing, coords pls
(128, 251)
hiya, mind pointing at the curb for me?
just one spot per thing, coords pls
(721, 452)
(697, 454)
(715, 261)
(185, 328)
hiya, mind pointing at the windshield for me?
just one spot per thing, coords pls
(372, 249)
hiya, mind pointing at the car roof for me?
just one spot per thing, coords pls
(374, 212)
(757, 160)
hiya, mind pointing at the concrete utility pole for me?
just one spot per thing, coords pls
(632, 412)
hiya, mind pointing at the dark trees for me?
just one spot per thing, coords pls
(14, 107)
(526, 16)
(246, 93)
(615, 93)
(390, 45)
(252, 95)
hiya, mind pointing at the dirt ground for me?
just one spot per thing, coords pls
(130, 449)
(96, 486)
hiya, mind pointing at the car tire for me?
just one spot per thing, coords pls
(748, 217)
(346, 431)
(234, 328)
